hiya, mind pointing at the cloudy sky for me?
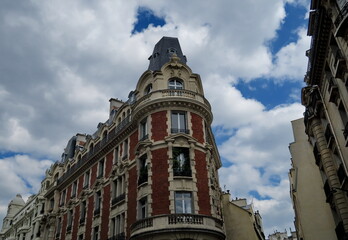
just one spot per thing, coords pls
(61, 61)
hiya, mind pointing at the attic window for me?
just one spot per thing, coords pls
(171, 51)
(148, 89)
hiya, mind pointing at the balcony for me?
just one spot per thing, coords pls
(118, 199)
(97, 212)
(183, 223)
(120, 236)
(82, 220)
(171, 94)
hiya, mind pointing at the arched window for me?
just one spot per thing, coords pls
(175, 83)
(148, 89)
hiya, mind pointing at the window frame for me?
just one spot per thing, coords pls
(86, 179)
(143, 208)
(143, 129)
(143, 174)
(181, 162)
(179, 197)
(175, 84)
(101, 165)
(179, 118)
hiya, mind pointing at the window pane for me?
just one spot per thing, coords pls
(182, 121)
(183, 202)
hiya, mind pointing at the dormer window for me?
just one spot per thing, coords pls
(171, 51)
(175, 83)
(148, 89)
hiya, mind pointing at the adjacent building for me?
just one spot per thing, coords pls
(325, 119)
(313, 217)
(242, 222)
(148, 172)
(283, 236)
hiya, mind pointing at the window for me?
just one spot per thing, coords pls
(143, 129)
(81, 237)
(70, 220)
(51, 204)
(101, 168)
(148, 89)
(96, 233)
(117, 226)
(83, 212)
(175, 84)
(142, 210)
(179, 122)
(62, 198)
(114, 188)
(143, 173)
(181, 162)
(91, 149)
(105, 136)
(171, 50)
(97, 203)
(125, 149)
(59, 226)
(183, 202)
(116, 155)
(86, 180)
(118, 190)
(344, 118)
(74, 189)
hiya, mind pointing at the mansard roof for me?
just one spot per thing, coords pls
(162, 52)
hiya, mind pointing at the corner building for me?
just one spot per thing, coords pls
(149, 171)
(326, 118)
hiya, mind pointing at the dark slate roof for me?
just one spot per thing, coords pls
(162, 52)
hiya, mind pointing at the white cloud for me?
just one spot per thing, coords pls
(259, 153)
(290, 62)
(20, 174)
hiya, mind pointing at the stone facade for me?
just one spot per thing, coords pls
(242, 222)
(313, 218)
(326, 100)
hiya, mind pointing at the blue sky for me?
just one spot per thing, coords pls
(62, 61)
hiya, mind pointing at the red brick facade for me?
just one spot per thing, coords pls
(202, 183)
(89, 218)
(160, 184)
(76, 222)
(133, 141)
(132, 199)
(94, 173)
(64, 222)
(105, 213)
(108, 163)
(197, 127)
(159, 125)
(80, 185)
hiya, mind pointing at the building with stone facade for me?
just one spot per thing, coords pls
(325, 98)
(313, 217)
(241, 221)
(148, 172)
(283, 236)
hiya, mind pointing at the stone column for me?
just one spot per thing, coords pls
(331, 172)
